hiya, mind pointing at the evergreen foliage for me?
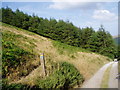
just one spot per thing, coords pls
(65, 32)
(118, 53)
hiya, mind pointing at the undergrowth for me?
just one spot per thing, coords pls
(14, 56)
(64, 77)
(6, 86)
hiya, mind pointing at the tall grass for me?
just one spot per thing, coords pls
(86, 63)
(17, 51)
(64, 77)
(64, 48)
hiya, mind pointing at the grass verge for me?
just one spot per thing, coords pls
(106, 76)
(118, 66)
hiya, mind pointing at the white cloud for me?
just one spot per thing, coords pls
(69, 4)
(104, 15)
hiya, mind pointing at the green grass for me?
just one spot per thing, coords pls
(105, 80)
(7, 25)
(19, 40)
(6, 86)
(64, 77)
(18, 50)
(119, 66)
(64, 48)
(18, 46)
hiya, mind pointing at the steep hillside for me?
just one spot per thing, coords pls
(26, 47)
(99, 41)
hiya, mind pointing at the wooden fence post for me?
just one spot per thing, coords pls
(42, 59)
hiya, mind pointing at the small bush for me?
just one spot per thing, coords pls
(14, 86)
(13, 56)
(66, 77)
(18, 87)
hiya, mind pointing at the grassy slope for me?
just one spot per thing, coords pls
(86, 62)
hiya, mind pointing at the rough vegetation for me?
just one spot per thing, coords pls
(16, 55)
(66, 76)
(67, 49)
(27, 70)
(65, 32)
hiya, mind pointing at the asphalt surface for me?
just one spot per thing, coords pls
(95, 81)
(113, 81)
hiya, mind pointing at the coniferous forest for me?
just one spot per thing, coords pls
(99, 41)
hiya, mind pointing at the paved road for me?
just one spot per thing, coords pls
(95, 81)
(113, 82)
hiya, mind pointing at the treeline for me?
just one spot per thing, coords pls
(65, 32)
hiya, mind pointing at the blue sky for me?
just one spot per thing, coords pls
(81, 14)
